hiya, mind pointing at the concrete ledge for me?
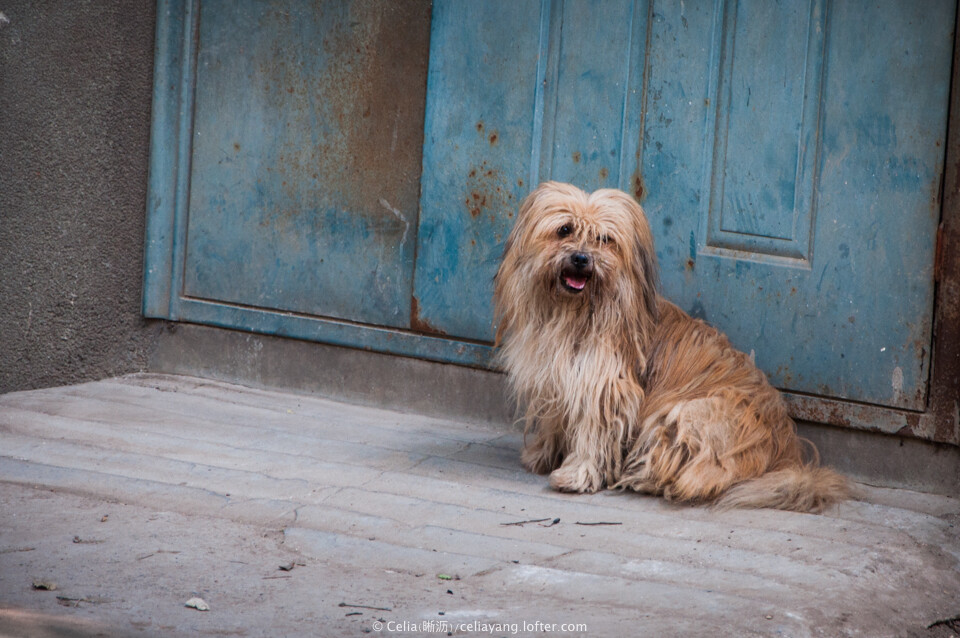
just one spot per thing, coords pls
(346, 374)
(887, 461)
(470, 394)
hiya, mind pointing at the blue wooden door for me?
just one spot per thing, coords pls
(788, 154)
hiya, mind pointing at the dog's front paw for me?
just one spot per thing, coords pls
(576, 476)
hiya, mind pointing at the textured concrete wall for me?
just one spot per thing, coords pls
(75, 91)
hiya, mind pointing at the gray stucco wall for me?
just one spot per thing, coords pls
(75, 92)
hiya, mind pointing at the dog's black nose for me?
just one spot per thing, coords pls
(580, 261)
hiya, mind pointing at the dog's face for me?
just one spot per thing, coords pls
(576, 250)
(569, 247)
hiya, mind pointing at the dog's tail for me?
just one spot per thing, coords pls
(805, 488)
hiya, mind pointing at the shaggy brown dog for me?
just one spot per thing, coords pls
(622, 388)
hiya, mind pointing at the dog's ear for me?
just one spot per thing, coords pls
(651, 279)
(501, 313)
(519, 236)
(644, 257)
(520, 225)
(504, 307)
(499, 296)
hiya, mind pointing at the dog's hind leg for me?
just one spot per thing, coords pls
(654, 460)
(693, 453)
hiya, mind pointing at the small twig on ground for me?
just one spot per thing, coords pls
(69, 601)
(551, 523)
(275, 577)
(599, 523)
(159, 551)
(364, 607)
(532, 520)
(11, 550)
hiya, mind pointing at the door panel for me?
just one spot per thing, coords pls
(846, 315)
(300, 198)
(592, 93)
(482, 90)
(510, 104)
(766, 73)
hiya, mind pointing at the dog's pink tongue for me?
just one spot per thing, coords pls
(577, 283)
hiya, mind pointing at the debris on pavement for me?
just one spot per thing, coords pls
(521, 523)
(197, 603)
(286, 567)
(364, 607)
(159, 551)
(70, 601)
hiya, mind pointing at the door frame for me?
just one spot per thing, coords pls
(943, 398)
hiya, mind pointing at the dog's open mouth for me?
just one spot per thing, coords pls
(574, 282)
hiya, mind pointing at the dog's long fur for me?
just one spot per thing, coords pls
(621, 388)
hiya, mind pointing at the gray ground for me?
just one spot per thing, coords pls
(133, 495)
